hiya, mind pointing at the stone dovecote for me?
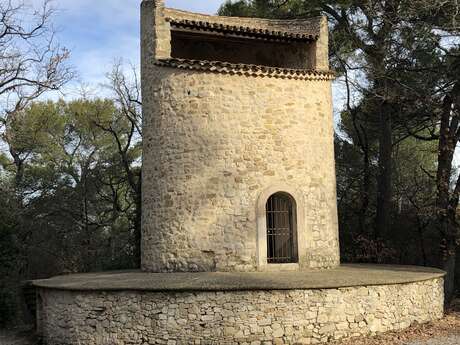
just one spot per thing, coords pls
(235, 111)
(239, 191)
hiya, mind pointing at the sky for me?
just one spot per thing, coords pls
(100, 32)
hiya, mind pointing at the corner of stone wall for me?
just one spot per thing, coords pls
(155, 44)
(155, 31)
(322, 46)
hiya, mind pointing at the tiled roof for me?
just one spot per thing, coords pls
(286, 29)
(246, 69)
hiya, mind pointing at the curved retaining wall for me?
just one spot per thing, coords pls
(234, 317)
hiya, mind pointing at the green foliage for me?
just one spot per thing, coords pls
(70, 171)
(7, 307)
(9, 255)
(264, 8)
(400, 62)
(65, 201)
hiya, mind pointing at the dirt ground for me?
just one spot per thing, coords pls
(21, 336)
(443, 332)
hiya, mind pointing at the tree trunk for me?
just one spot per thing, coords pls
(138, 231)
(457, 268)
(448, 265)
(19, 164)
(366, 182)
(446, 205)
(384, 192)
(421, 237)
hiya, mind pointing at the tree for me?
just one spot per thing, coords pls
(365, 37)
(31, 63)
(439, 117)
(126, 132)
(78, 211)
(400, 58)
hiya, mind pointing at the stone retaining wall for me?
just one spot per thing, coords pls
(234, 317)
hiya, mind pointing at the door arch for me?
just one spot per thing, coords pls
(281, 228)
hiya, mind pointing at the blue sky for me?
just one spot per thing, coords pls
(98, 32)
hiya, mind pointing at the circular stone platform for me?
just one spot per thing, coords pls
(236, 308)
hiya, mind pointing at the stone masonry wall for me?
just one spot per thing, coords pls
(212, 144)
(246, 317)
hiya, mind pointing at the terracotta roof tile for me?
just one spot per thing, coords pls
(288, 29)
(246, 69)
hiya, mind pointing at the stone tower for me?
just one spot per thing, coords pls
(239, 168)
(238, 177)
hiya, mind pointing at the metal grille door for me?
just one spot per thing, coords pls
(280, 241)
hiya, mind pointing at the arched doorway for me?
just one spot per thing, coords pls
(281, 229)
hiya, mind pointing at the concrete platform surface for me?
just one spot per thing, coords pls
(344, 276)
